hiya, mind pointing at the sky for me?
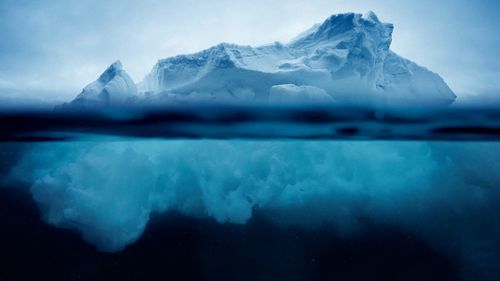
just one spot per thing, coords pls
(49, 50)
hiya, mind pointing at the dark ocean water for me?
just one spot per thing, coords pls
(254, 122)
(176, 247)
(363, 195)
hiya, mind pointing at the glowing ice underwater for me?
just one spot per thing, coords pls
(108, 190)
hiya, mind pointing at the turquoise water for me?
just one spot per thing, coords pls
(445, 194)
(251, 193)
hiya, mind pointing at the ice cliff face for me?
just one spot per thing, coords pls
(347, 58)
(114, 86)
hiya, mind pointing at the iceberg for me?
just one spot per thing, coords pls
(113, 87)
(345, 59)
(293, 94)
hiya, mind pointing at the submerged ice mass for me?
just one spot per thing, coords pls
(346, 59)
(445, 193)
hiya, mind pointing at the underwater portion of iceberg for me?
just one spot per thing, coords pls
(444, 193)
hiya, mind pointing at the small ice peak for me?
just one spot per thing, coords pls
(116, 65)
(111, 71)
(371, 16)
(335, 19)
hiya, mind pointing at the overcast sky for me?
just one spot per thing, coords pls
(52, 49)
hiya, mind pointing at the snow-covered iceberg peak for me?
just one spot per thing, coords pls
(348, 46)
(113, 87)
(349, 29)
